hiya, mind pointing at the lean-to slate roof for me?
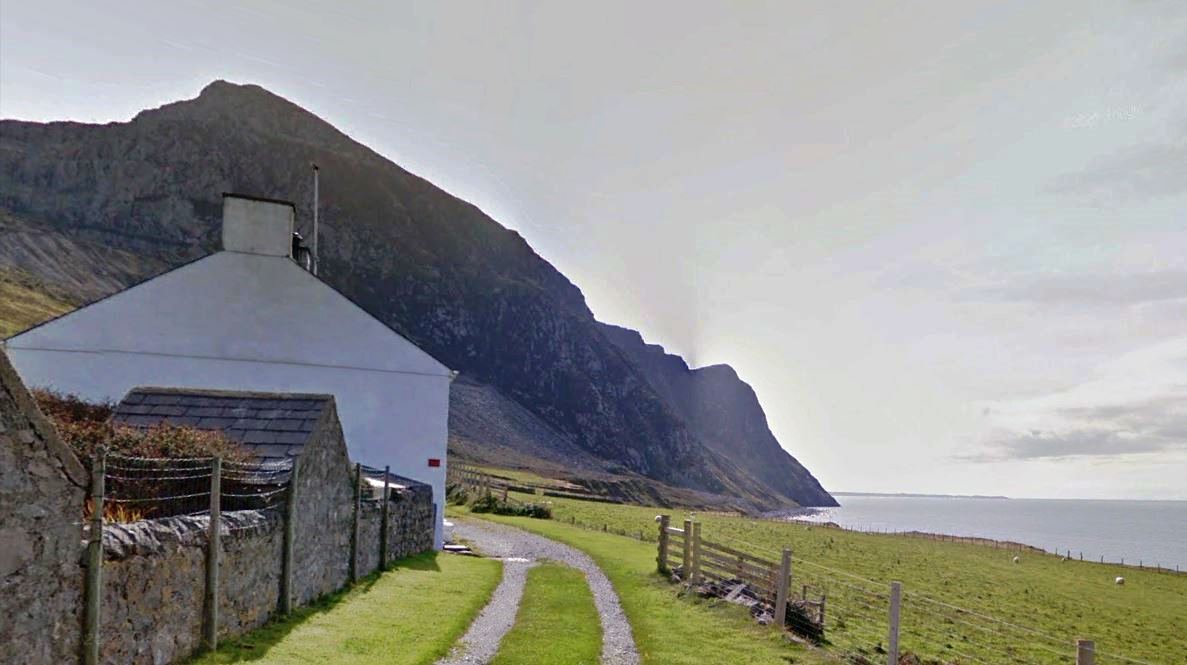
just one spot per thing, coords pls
(273, 426)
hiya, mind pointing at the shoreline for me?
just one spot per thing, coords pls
(800, 516)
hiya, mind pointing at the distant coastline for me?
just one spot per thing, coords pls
(920, 496)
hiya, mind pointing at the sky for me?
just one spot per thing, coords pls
(945, 242)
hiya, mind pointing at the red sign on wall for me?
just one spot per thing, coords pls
(433, 461)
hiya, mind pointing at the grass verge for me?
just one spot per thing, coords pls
(557, 622)
(409, 615)
(667, 629)
(1042, 595)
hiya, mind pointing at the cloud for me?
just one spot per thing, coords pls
(1090, 289)
(1139, 172)
(1134, 405)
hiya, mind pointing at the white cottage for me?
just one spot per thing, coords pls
(252, 318)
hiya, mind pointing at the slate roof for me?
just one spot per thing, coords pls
(273, 426)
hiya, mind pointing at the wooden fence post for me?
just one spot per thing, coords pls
(896, 598)
(662, 560)
(213, 551)
(354, 534)
(696, 553)
(95, 558)
(784, 583)
(290, 532)
(383, 522)
(686, 554)
(1085, 652)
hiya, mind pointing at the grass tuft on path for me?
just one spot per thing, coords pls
(667, 629)
(557, 622)
(409, 615)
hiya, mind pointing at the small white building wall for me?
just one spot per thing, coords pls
(238, 321)
(388, 419)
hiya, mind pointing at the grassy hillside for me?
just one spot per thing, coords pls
(23, 304)
(962, 603)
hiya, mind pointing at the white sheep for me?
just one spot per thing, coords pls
(1017, 560)
(1119, 580)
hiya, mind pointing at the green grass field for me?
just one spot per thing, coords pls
(669, 630)
(1013, 608)
(557, 623)
(409, 615)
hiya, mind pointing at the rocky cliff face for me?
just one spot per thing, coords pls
(437, 269)
(723, 411)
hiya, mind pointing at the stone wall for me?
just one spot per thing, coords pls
(154, 579)
(410, 526)
(325, 511)
(41, 511)
(154, 573)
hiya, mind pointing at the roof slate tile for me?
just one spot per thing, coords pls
(273, 427)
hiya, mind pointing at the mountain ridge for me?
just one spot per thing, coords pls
(431, 265)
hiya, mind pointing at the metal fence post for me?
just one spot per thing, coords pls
(354, 534)
(95, 559)
(385, 516)
(896, 598)
(1085, 652)
(662, 560)
(686, 553)
(784, 584)
(290, 532)
(696, 552)
(213, 550)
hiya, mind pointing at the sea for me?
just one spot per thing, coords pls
(1148, 533)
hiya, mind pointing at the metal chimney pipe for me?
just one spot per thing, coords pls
(316, 256)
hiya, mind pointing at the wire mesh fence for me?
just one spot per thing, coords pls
(154, 487)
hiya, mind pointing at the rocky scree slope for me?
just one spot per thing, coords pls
(467, 290)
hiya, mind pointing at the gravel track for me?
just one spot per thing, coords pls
(519, 550)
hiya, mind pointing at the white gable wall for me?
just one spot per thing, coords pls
(239, 321)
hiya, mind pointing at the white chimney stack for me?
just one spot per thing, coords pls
(254, 225)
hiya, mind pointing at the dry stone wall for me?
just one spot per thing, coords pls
(324, 513)
(410, 526)
(41, 509)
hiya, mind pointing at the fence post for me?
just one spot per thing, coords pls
(661, 561)
(1085, 652)
(95, 558)
(696, 552)
(686, 554)
(784, 584)
(213, 550)
(354, 534)
(290, 532)
(896, 598)
(385, 515)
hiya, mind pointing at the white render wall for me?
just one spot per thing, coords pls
(237, 321)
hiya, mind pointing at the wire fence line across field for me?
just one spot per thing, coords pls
(879, 616)
(860, 615)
